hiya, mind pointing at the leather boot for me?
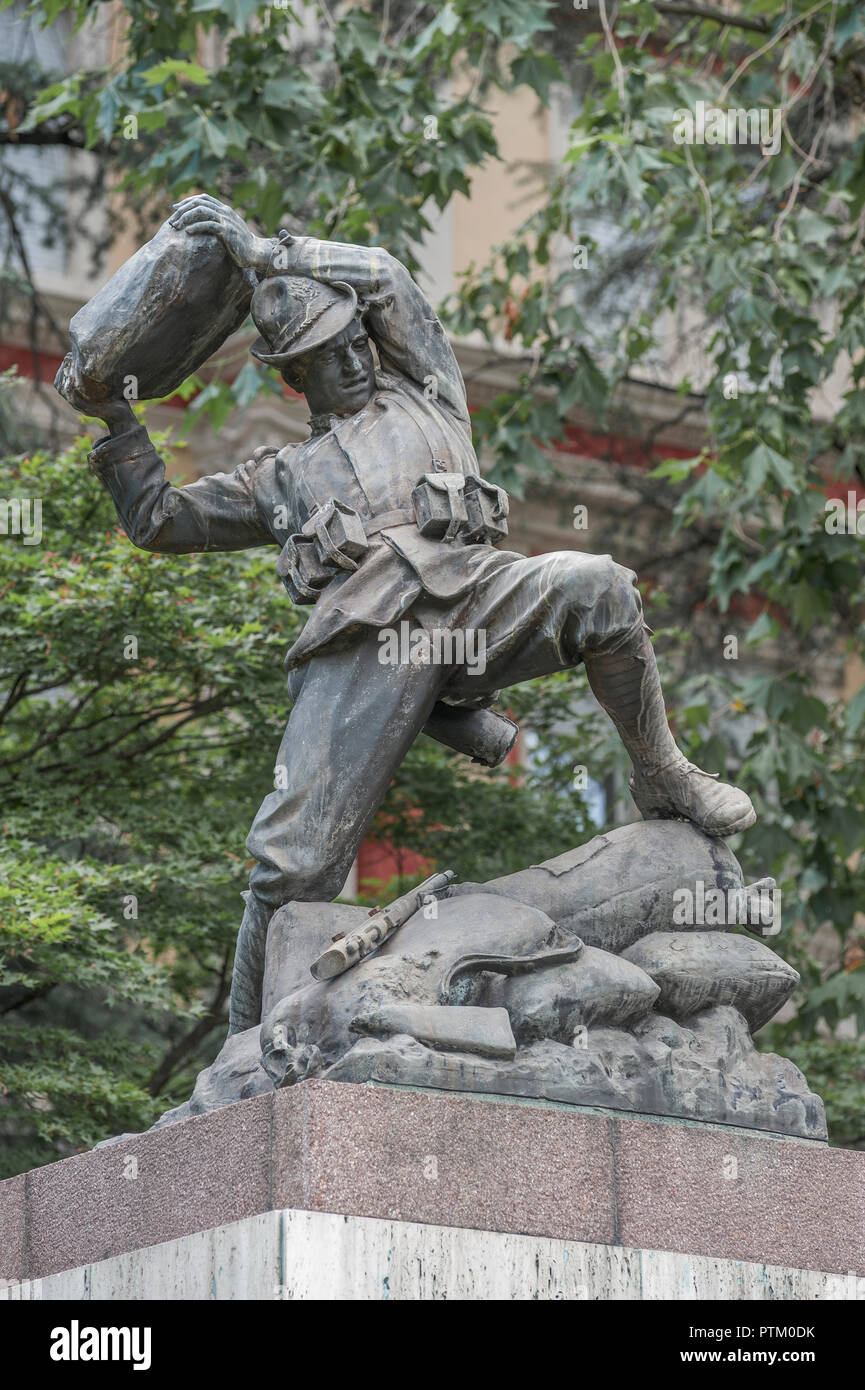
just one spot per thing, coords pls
(664, 784)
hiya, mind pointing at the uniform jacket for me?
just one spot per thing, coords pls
(416, 422)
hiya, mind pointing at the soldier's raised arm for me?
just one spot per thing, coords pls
(403, 323)
(217, 512)
(401, 319)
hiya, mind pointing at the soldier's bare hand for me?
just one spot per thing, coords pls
(118, 415)
(203, 215)
(116, 411)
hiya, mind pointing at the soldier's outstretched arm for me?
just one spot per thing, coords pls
(218, 512)
(402, 321)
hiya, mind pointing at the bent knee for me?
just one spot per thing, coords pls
(285, 873)
(600, 599)
(584, 580)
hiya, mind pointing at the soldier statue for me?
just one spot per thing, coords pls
(381, 516)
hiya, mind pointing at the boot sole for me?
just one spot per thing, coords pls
(745, 821)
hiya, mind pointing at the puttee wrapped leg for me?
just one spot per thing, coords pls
(664, 784)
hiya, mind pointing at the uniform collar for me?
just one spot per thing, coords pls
(323, 424)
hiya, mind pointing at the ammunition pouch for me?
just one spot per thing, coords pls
(450, 505)
(332, 541)
(335, 539)
(487, 506)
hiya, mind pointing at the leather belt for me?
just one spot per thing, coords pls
(400, 516)
(446, 506)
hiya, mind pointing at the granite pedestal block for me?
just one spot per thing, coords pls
(450, 1161)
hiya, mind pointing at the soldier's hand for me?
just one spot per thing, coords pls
(202, 215)
(118, 415)
(116, 412)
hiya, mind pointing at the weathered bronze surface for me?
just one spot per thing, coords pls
(385, 527)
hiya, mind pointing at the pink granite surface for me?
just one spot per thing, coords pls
(145, 1190)
(13, 1205)
(453, 1160)
(714, 1193)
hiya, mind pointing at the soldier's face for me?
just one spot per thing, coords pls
(339, 377)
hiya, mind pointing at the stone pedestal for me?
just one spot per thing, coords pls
(339, 1190)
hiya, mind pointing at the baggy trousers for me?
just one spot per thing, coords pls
(355, 716)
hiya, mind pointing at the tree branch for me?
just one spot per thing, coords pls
(710, 12)
(69, 136)
(16, 692)
(27, 997)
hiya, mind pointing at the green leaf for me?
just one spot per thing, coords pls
(676, 469)
(536, 70)
(247, 384)
(175, 67)
(765, 626)
(764, 461)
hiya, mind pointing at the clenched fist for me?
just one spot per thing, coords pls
(202, 215)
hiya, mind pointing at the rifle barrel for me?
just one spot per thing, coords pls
(342, 955)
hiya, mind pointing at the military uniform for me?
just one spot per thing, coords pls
(354, 717)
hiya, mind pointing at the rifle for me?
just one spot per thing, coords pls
(346, 951)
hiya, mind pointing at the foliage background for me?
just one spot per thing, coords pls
(139, 776)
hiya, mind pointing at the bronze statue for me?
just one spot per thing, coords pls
(381, 516)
